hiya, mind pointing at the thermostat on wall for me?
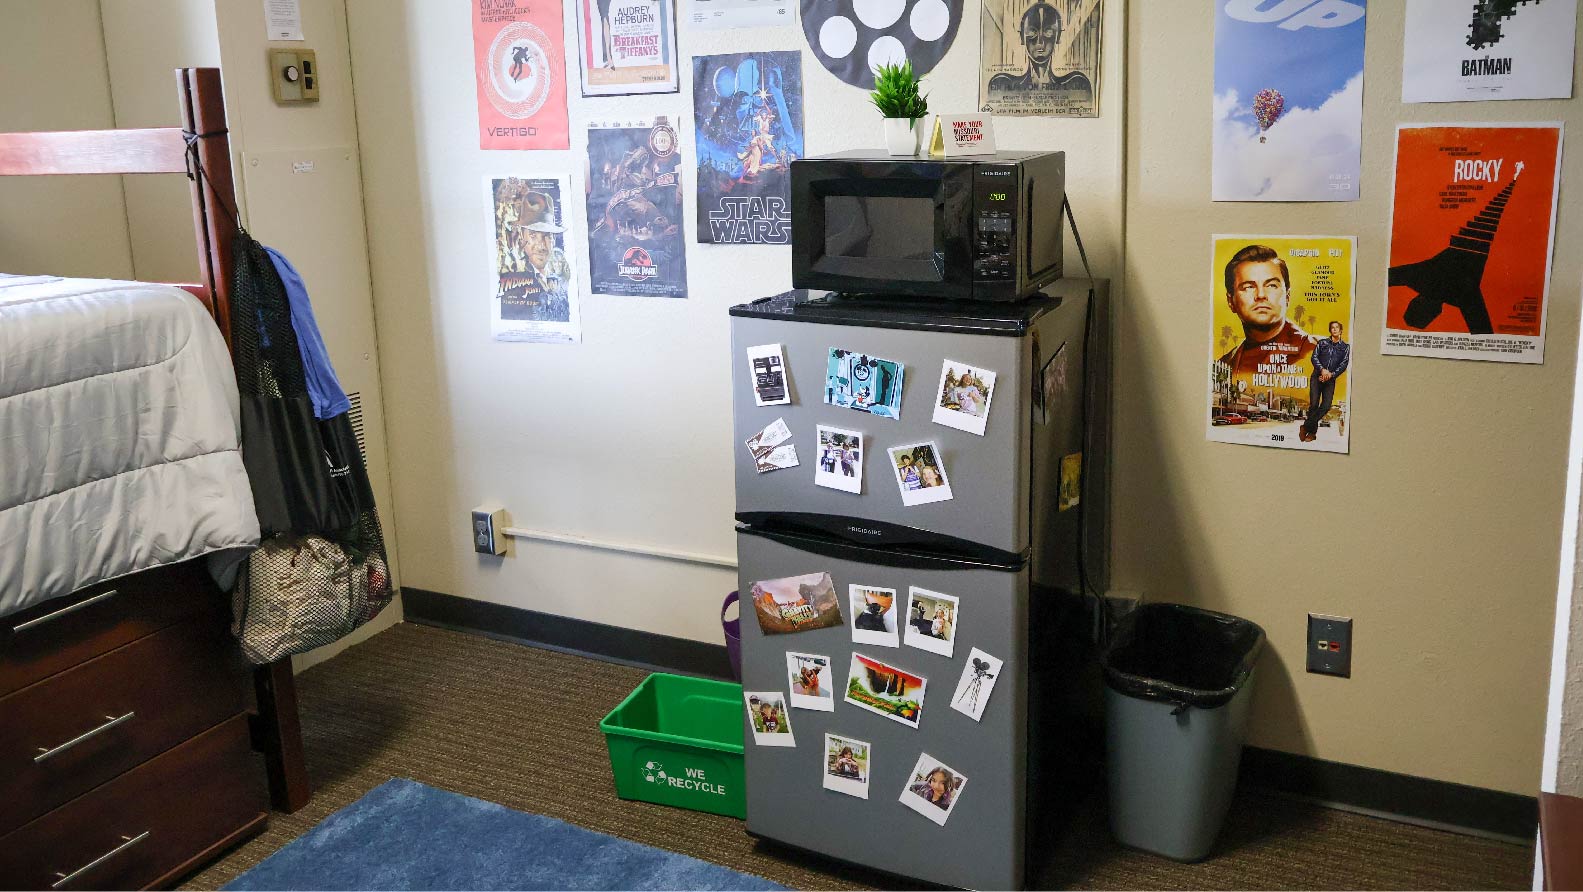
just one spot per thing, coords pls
(294, 75)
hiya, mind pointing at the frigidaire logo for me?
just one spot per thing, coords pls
(865, 532)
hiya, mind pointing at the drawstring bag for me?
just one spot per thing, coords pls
(321, 570)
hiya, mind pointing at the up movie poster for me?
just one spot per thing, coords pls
(1280, 360)
(748, 122)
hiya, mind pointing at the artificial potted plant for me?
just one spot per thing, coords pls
(897, 98)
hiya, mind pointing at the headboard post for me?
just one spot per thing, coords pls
(213, 194)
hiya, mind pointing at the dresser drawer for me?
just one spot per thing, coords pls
(147, 826)
(60, 633)
(79, 728)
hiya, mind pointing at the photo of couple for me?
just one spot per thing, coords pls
(931, 621)
(920, 474)
(840, 459)
(965, 392)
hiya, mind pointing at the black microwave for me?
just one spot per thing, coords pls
(986, 227)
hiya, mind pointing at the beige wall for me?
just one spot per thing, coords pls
(1439, 532)
(55, 78)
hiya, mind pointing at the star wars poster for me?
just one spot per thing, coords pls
(1472, 220)
(521, 73)
(535, 292)
(1039, 57)
(749, 127)
(1288, 107)
(634, 194)
(1280, 341)
(627, 46)
(1488, 49)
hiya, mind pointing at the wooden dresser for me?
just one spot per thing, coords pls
(126, 758)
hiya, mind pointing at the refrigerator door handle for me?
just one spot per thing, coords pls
(830, 547)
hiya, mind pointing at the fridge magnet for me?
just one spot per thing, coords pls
(1036, 60)
(1050, 385)
(1504, 50)
(846, 764)
(536, 291)
(1071, 492)
(873, 615)
(931, 621)
(920, 474)
(772, 447)
(630, 52)
(882, 688)
(771, 722)
(796, 604)
(865, 383)
(840, 459)
(977, 683)
(965, 392)
(810, 682)
(767, 366)
(933, 789)
(748, 127)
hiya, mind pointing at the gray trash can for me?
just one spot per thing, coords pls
(1178, 682)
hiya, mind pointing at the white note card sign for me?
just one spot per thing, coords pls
(963, 135)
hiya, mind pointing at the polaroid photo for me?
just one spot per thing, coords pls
(846, 765)
(933, 789)
(883, 689)
(932, 618)
(796, 604)
(865, 383)
(767, 366)
(772, 448)
(770, 719)
(1071, 490)
(873, 615)
(840, 464)
(978, 682)
(809, 676)
(964, 395)
(920, 474)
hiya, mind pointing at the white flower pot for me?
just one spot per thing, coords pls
(901, 136)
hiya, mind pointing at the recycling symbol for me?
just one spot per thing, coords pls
(653, 772)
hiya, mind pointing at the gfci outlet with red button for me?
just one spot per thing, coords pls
(1330, 645)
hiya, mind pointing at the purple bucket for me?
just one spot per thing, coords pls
(733, 630)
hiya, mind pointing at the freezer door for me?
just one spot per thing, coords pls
(982, 843)
(988, 475)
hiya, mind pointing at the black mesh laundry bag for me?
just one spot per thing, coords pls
(321, 570)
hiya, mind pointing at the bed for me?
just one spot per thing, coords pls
(131, 730)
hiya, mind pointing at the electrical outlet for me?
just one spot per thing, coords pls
(1330, 645)
(489, 535)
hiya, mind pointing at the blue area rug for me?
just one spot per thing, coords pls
(404, 835)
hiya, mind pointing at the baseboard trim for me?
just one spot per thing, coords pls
(613, 644)
(1417, 800)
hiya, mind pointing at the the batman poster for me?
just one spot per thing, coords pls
(749, 127)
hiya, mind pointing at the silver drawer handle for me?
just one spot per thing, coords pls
(57, 614)
(129, 841)
(111, 722)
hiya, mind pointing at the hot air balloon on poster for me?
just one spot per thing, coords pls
(1267, 107)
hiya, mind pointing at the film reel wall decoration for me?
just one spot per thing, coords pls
(851, 37)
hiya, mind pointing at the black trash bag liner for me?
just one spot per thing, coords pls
(1181, 655)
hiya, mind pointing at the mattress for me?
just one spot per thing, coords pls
(119, 436)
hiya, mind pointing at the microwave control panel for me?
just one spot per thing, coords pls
(994, 198)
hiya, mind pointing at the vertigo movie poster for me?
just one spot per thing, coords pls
(1288, 103)
(636, 246)
(748, 121)
(520, 67)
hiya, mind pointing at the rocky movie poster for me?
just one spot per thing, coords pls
(520, 67)
(634, 194)
(1472, 222)
(1040, 57)
(749, 125)
(535, 294)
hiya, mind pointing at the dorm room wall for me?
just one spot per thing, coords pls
(626, 437)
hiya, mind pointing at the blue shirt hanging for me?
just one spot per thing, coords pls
(324, 389)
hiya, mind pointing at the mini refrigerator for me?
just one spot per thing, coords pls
(1000, 570)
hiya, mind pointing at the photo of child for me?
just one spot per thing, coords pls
(809, 675)
(846, 765)
(965, 392)
(769, 718)
(873, 615)
(840, 463)
(920, 474)
(934, 789)
(932, 620)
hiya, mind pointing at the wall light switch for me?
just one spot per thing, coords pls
(294, 75)
(1330, 645)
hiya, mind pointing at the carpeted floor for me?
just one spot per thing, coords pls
(520, 726)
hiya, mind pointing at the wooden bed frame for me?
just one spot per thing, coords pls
(275, 728)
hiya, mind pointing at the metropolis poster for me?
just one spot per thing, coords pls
(1040, 57)
(634, 196)
(749, 126)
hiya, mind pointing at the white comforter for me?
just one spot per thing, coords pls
(119, 435)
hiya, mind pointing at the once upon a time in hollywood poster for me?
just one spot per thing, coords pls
(634, 192)
(535, 288)
(749, 123)
(1039, 57)
(520, 67)
(1472, 221)
(1280, 341)
(1461, 50)
(627, 46)
(1288, 106)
